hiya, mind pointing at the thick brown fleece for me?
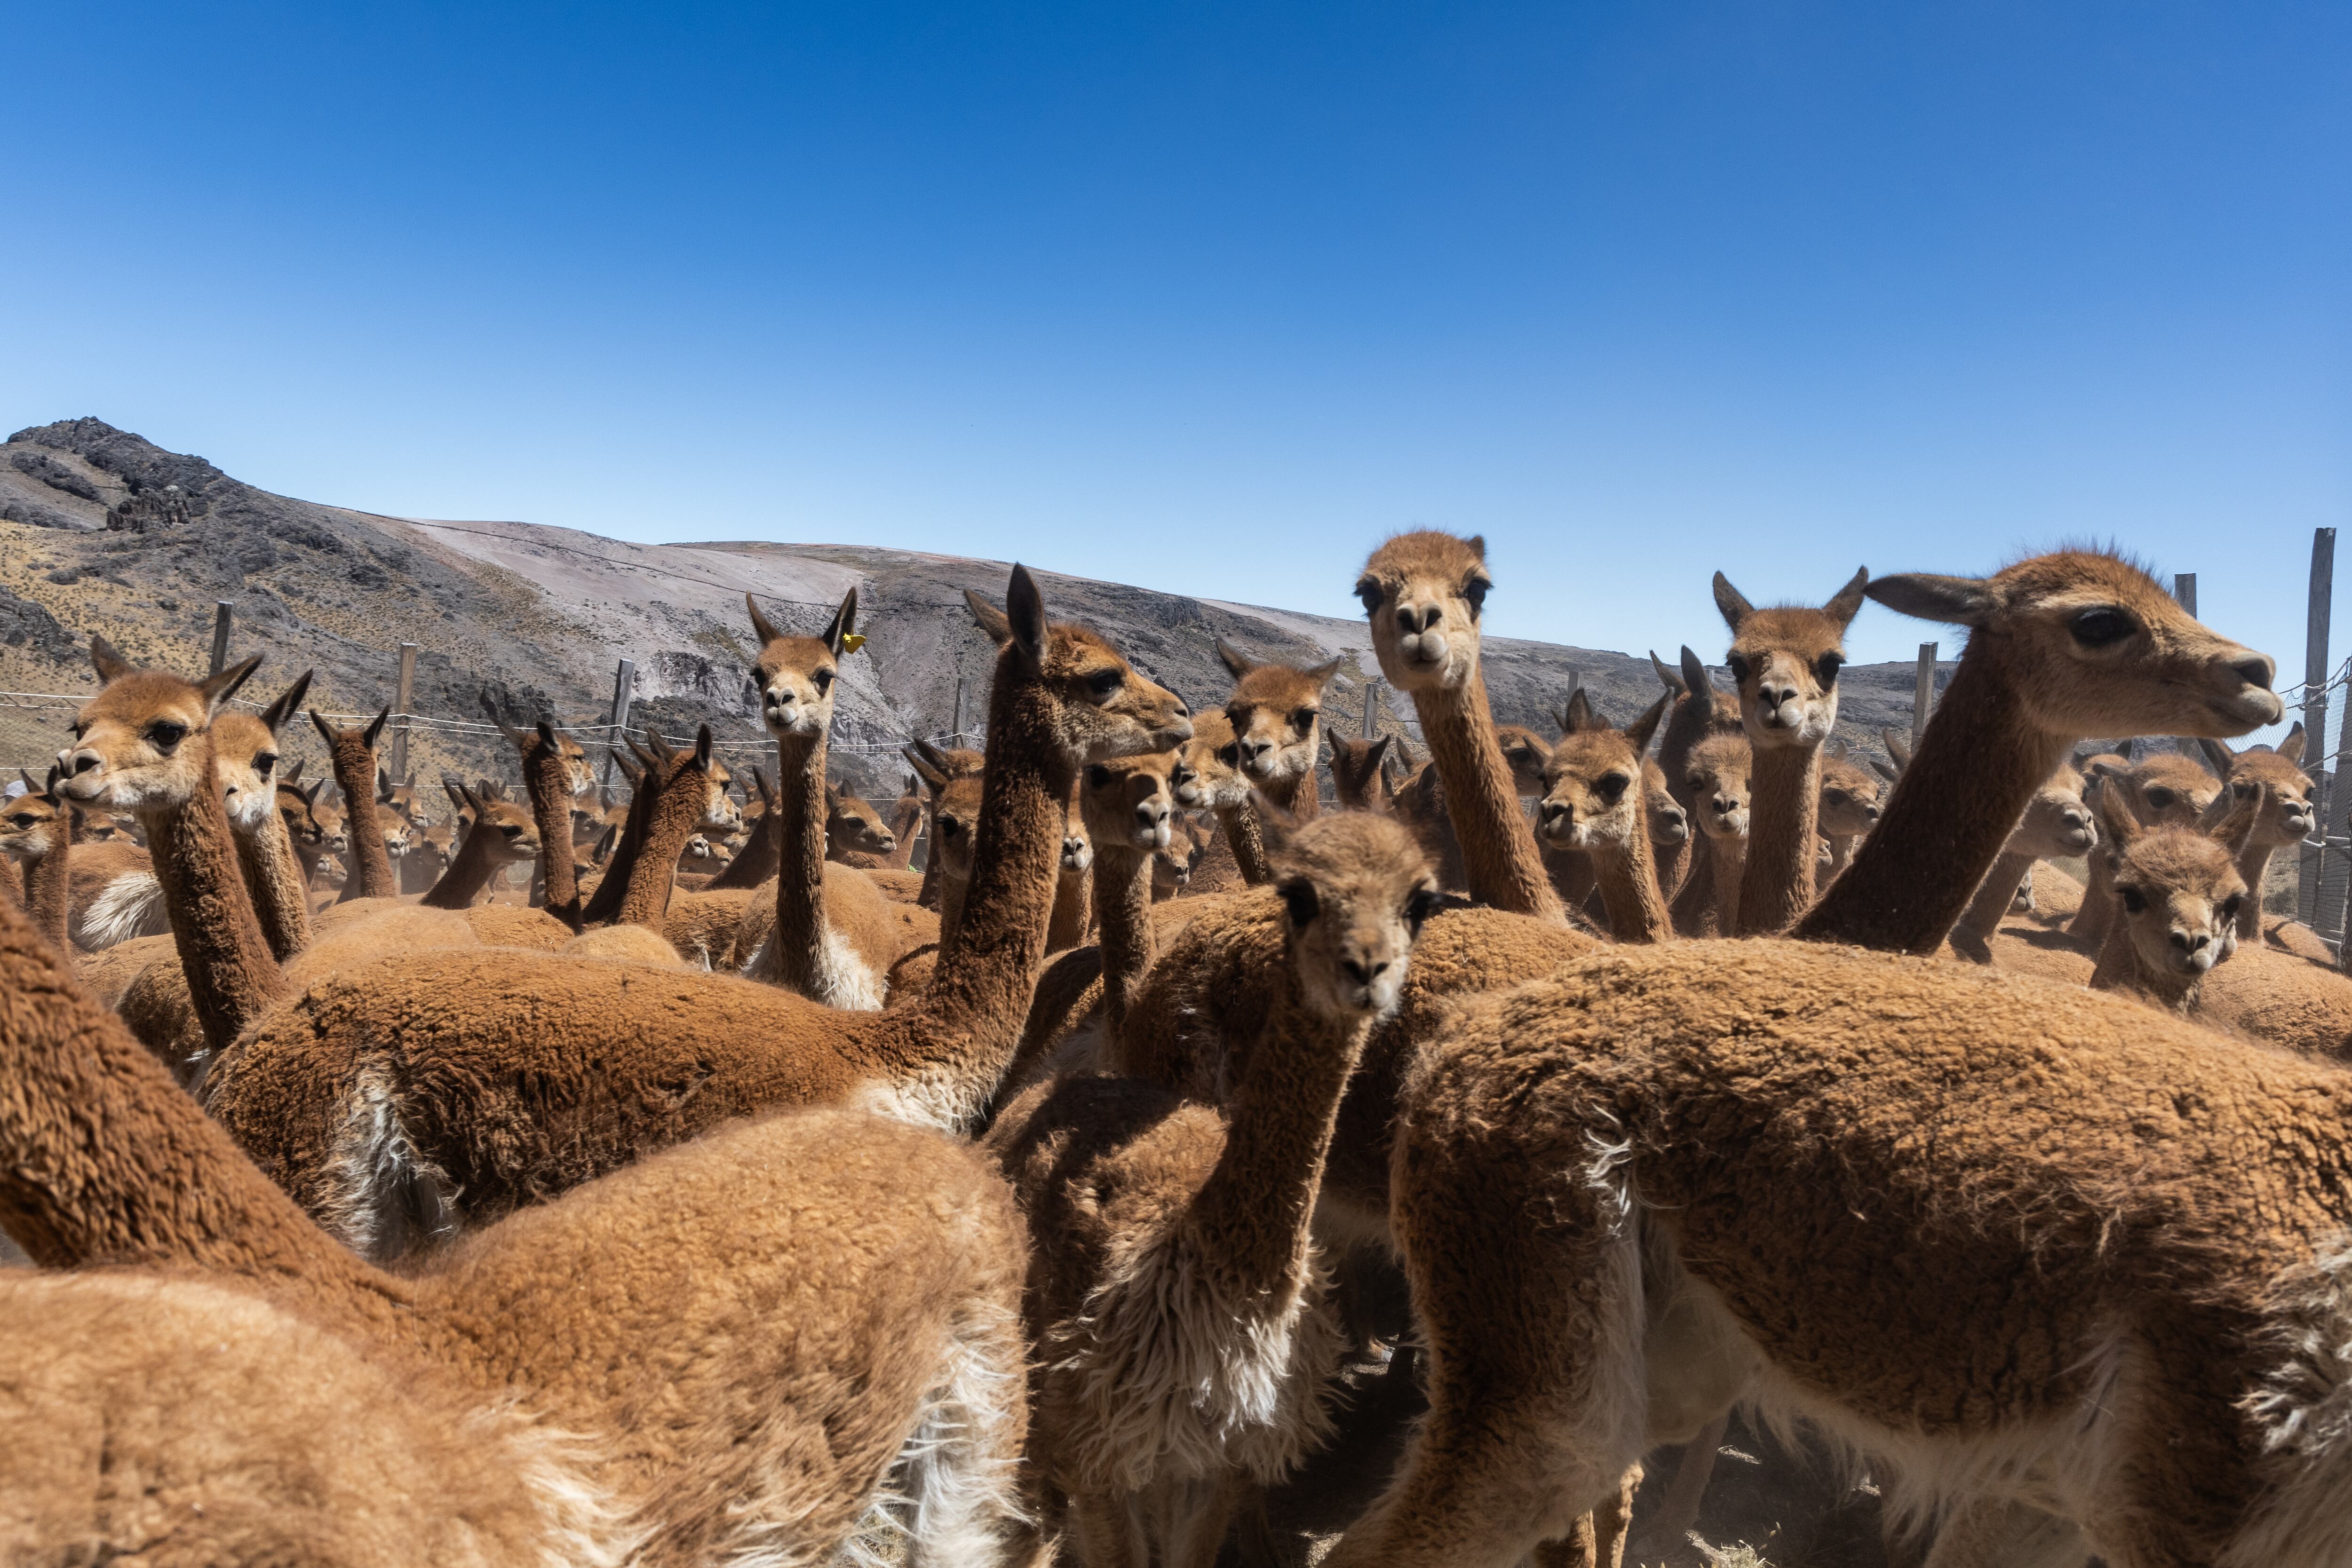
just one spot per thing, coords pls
(729, 1370)
(1936, 1198)
(231, 975)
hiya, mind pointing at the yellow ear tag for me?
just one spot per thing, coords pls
(851, 641)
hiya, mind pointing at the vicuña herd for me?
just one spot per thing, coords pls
(1174, 1157)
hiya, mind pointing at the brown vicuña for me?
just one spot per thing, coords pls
(347, 1094)
(1928, 1209)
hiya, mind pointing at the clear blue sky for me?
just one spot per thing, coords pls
(1209, 298)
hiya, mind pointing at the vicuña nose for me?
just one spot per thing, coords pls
(1363, 974)
(1726, 803)
(2190, 941)
(83, 761)
(1417, 617)
(1775, 695)
(2258, 669)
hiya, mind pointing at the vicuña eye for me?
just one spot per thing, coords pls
(2134, 899)
(1826, 667)
(1098, 776)
(1102, 683)
(1474, 590)
(1611, 786)
(164, 734)
(1370, 593)
(1298, 902)
(822, 681)
(2160, 798)
(1738, 664)
(2098, 627)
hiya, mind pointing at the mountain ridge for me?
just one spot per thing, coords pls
(103, 531)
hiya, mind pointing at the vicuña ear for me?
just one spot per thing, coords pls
(1580, 717)
(843, 622)
(1957, 601)
(2117, 818)
(1848, 600)
(326, 730)
(221, 685)
(1732, 603)
(490, 709)
(2218, 756)
(1641, 730)
(991, 619)
(455, 790)
(759, 625)
(928, 771)
(1694, 673)
(1234, 659)
(111, 665)
(1898, 747)
(2291, 747)
(702, 746)
(546, 737)
(376, 728)
(1666, 678)
(1322, 672)
(2237, 828)
(1025, 610)
(276, 714)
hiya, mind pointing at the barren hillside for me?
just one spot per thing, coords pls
(102, 531)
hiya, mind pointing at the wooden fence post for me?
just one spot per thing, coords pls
(2315, 671)
(1923, 694)
(1372, 708)
(223, 618)
(403, 698)
(624, 680)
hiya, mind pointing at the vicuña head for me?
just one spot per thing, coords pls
(1355, 890)
(851, 823)
(1785, 661)
(28, 824)
(1594, 795)
(1102, 707)
(1719, 770)
(506, 832)
(954, 777)
(1128, 802)
(1274, 711)
(246, 750)
(2288, 816)
(797, 676)
(1849, 798)
(2178, 888)
(2091, 645)
(1424, 594)
(131, 751)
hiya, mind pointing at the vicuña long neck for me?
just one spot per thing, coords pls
(1239, 826)
(909, 812)
(1967, 785)
(48, 883)
(759, 860)
(961, 1037)
(677, 812)
(1629, 889)
(1973, 936)
(1301, 794)
(1123, 930)
(1674, 864)
(1073, 897)
(109, 1161)
(1573, 876)
(2096, 916)
(1500, 858)
(371, 874)
(549, 783)
(1783, 816)
(232, 978)
(1248, 1227)
(604, 904)
(279, 888)
(2254, 864)
(2120, 969)
(1728, 857)
(470, 872)
(799, 811)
